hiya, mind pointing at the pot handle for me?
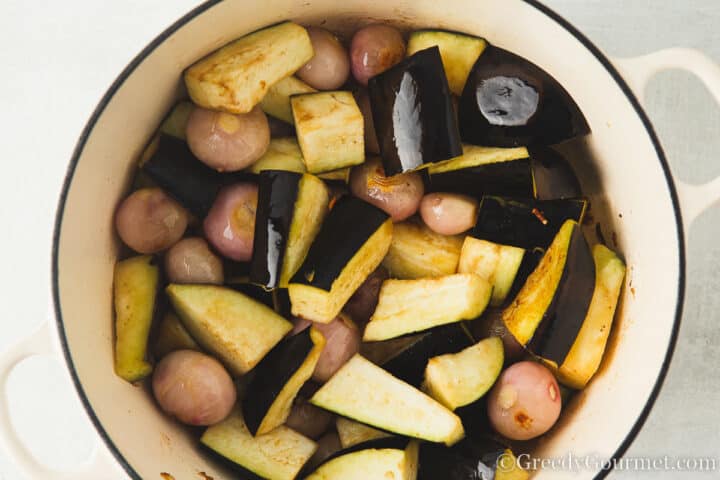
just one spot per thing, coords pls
(694, 199)
(98, 465)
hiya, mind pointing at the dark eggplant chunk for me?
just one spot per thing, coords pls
(409, 363)
(549, 311)
(277, 193)
(526, 224)
(413, 113)
(553, 175)
(255, 292)
(351, 243)
(278, 379)
(471, 459)
(513, 178)
(509, 101)
(175, 169)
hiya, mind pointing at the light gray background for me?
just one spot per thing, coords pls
(58, 57)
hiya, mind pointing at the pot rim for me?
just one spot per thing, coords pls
(145, 52)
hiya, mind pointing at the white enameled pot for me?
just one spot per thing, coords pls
(648, 223)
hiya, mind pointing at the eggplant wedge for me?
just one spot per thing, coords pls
(291, 208)
(172, 336)
(362, 391)
(354, 433)
(278, 455)
(553, 175)
(418, 252)
(510, 102)
(459, 379)
(175, 123)
(365, 464)
(586, 353)
(236, 77)
(282, 154)
(548, 312)
(527, 224)
(278, 379)
(174, 168)
(407, 361)
(458, 51)
(413, 113)
(236, 328)
(135, 290)
(408, 306)
(330, 129)
(276, 101)
(481, 459)
(352, 242)
(498, 264)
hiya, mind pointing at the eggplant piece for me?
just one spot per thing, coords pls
(255, 292)
(365, 464)
(459, 379)
(329, 128)
(352, 242)
(400, 443)
(174, 168)
(471, 459)
(279, 454)
(291, 208)
(281, 302)
(586, 353)
(354, 433)
(498, 264)
(236, 77)
(458, 51)
(510, 102)
(172, 336)
(278, 379)
(527, 224)
(408, 306)
(237, 329)
(176, 121)
(362, 391)
(553, 175)
(276, 101)
(418, 252)
(282, 154)
(407, 362)
(549, 310)
(413, 113)
(135, 285)
(485, 171)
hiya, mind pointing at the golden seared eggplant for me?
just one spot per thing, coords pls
(276, 101)
(236, 77)
(278, 379)
(548, 312)
(498, 264)
(329, 129)
(237, 329)
(527, 224)
(172, 336)
(408, 306)
(370, 463)
(279, 454)
(362, 391)
(418, 252)
(459, 379)
(509, 102)
(282, 154)
(291, 208)
(458, 51)
(352, 242)
(135, 290)
(353, 433)
(413, 113)
(586, 353)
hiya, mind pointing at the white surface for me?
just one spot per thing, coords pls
(58, 58)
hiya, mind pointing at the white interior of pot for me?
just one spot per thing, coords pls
(612, 164)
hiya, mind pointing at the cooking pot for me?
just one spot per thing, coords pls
(647, 224)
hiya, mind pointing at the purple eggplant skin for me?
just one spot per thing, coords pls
(510, 102)
(553, 175)
(413, 113)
